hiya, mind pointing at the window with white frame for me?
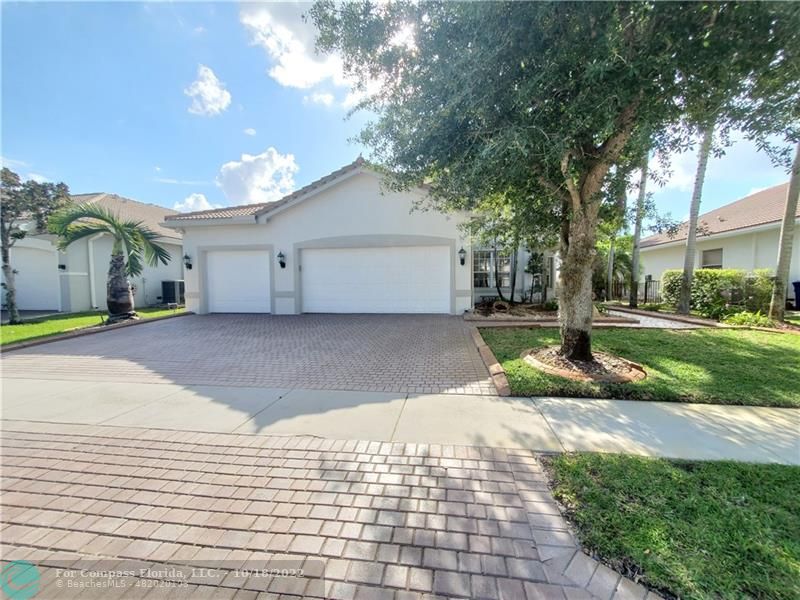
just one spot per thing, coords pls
(483, 269)
(711, 259)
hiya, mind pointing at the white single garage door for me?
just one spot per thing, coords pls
(238, 281)
(405, 279)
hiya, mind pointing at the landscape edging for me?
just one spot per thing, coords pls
(496, 371)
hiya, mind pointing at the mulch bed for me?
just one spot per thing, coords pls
(605, 367)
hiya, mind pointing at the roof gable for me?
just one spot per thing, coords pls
(229, 213)
(150, 214)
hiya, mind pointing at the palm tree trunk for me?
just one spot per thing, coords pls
(119, 296)
(9, 284)
(777, 305)
(694, 211)
(633, 297)
(513, 274)
(610, 270)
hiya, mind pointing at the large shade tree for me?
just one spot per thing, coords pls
(540, 100)
(134, 244)
(24, 209)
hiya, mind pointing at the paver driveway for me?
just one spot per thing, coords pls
(391, 353)
(138, 507)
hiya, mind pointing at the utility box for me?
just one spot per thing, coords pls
(172, 292)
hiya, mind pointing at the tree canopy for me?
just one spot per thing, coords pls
(548, 101)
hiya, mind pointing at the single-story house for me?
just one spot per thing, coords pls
(740, 235)
(75, 280)
(342, 244)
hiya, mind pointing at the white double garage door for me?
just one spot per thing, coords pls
(397, 279)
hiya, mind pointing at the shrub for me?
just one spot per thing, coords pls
(601, 308)
(751, 319)
(715, 290)
(550, 305)
(671, 286)
(653, 306)
(758, 290)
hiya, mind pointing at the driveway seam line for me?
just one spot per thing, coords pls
(254, 415)
(399, 416)
(549, 426)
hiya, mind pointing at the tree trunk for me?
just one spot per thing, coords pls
(633, 293)
(777, 305)
(684, 302)
(513, 274)
(497, 275)
(119, 295)
(9, 283)
(610, 271)
(575, 308)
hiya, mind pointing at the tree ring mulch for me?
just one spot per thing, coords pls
(605, 368)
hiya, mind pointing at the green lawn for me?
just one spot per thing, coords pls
(794, 319)
(47, 326)
(719, 366)
(693, 529)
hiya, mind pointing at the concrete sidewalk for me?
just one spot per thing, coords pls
(694, 431)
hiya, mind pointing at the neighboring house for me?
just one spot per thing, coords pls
(75, 280)
(342, 244)
(740, 235)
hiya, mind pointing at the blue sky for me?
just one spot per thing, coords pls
(193, 105)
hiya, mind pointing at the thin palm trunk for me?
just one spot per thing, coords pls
(119, 295)
(777, 305)
(513, 274)
(694, 212)
(10, 284)
(633, 297)
(610, 270)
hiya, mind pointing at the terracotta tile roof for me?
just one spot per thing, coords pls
(245, 210)
(150, 214)
(763, 207)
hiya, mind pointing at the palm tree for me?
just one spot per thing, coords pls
(134, 245)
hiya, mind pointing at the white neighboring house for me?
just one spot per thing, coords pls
(740, 235)
(75, 280)
(342, 244)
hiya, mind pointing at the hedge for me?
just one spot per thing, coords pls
(717, 293)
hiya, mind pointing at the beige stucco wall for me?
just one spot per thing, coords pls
(354, 212)
(748, 250)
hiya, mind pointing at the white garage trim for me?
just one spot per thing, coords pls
(248, 275)
(377, 279)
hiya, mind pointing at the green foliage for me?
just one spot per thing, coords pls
(750, 319)
(27, 201)
(698, 530)
(671, 286)
(717, 293)
(652, 306)
(137, 242)
(715, 290)
(709, 365)
(550, 305)
(758, 290)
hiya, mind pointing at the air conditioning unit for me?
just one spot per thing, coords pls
(172, 292)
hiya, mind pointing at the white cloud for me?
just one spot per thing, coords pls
(289, 42)
(249, 131)
(12, 163)
(38, 177)
(199, 29)
(256, 178)
(172, 181)
(157, 169)
(324, 98)
(194, 202)
(208, 94)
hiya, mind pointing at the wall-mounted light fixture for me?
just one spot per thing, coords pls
(282, 260)
(187, 261)
(462, 255)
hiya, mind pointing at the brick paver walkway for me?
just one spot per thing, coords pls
(361, 519)
(391, 353)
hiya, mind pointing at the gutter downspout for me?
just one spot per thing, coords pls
(90, 246)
